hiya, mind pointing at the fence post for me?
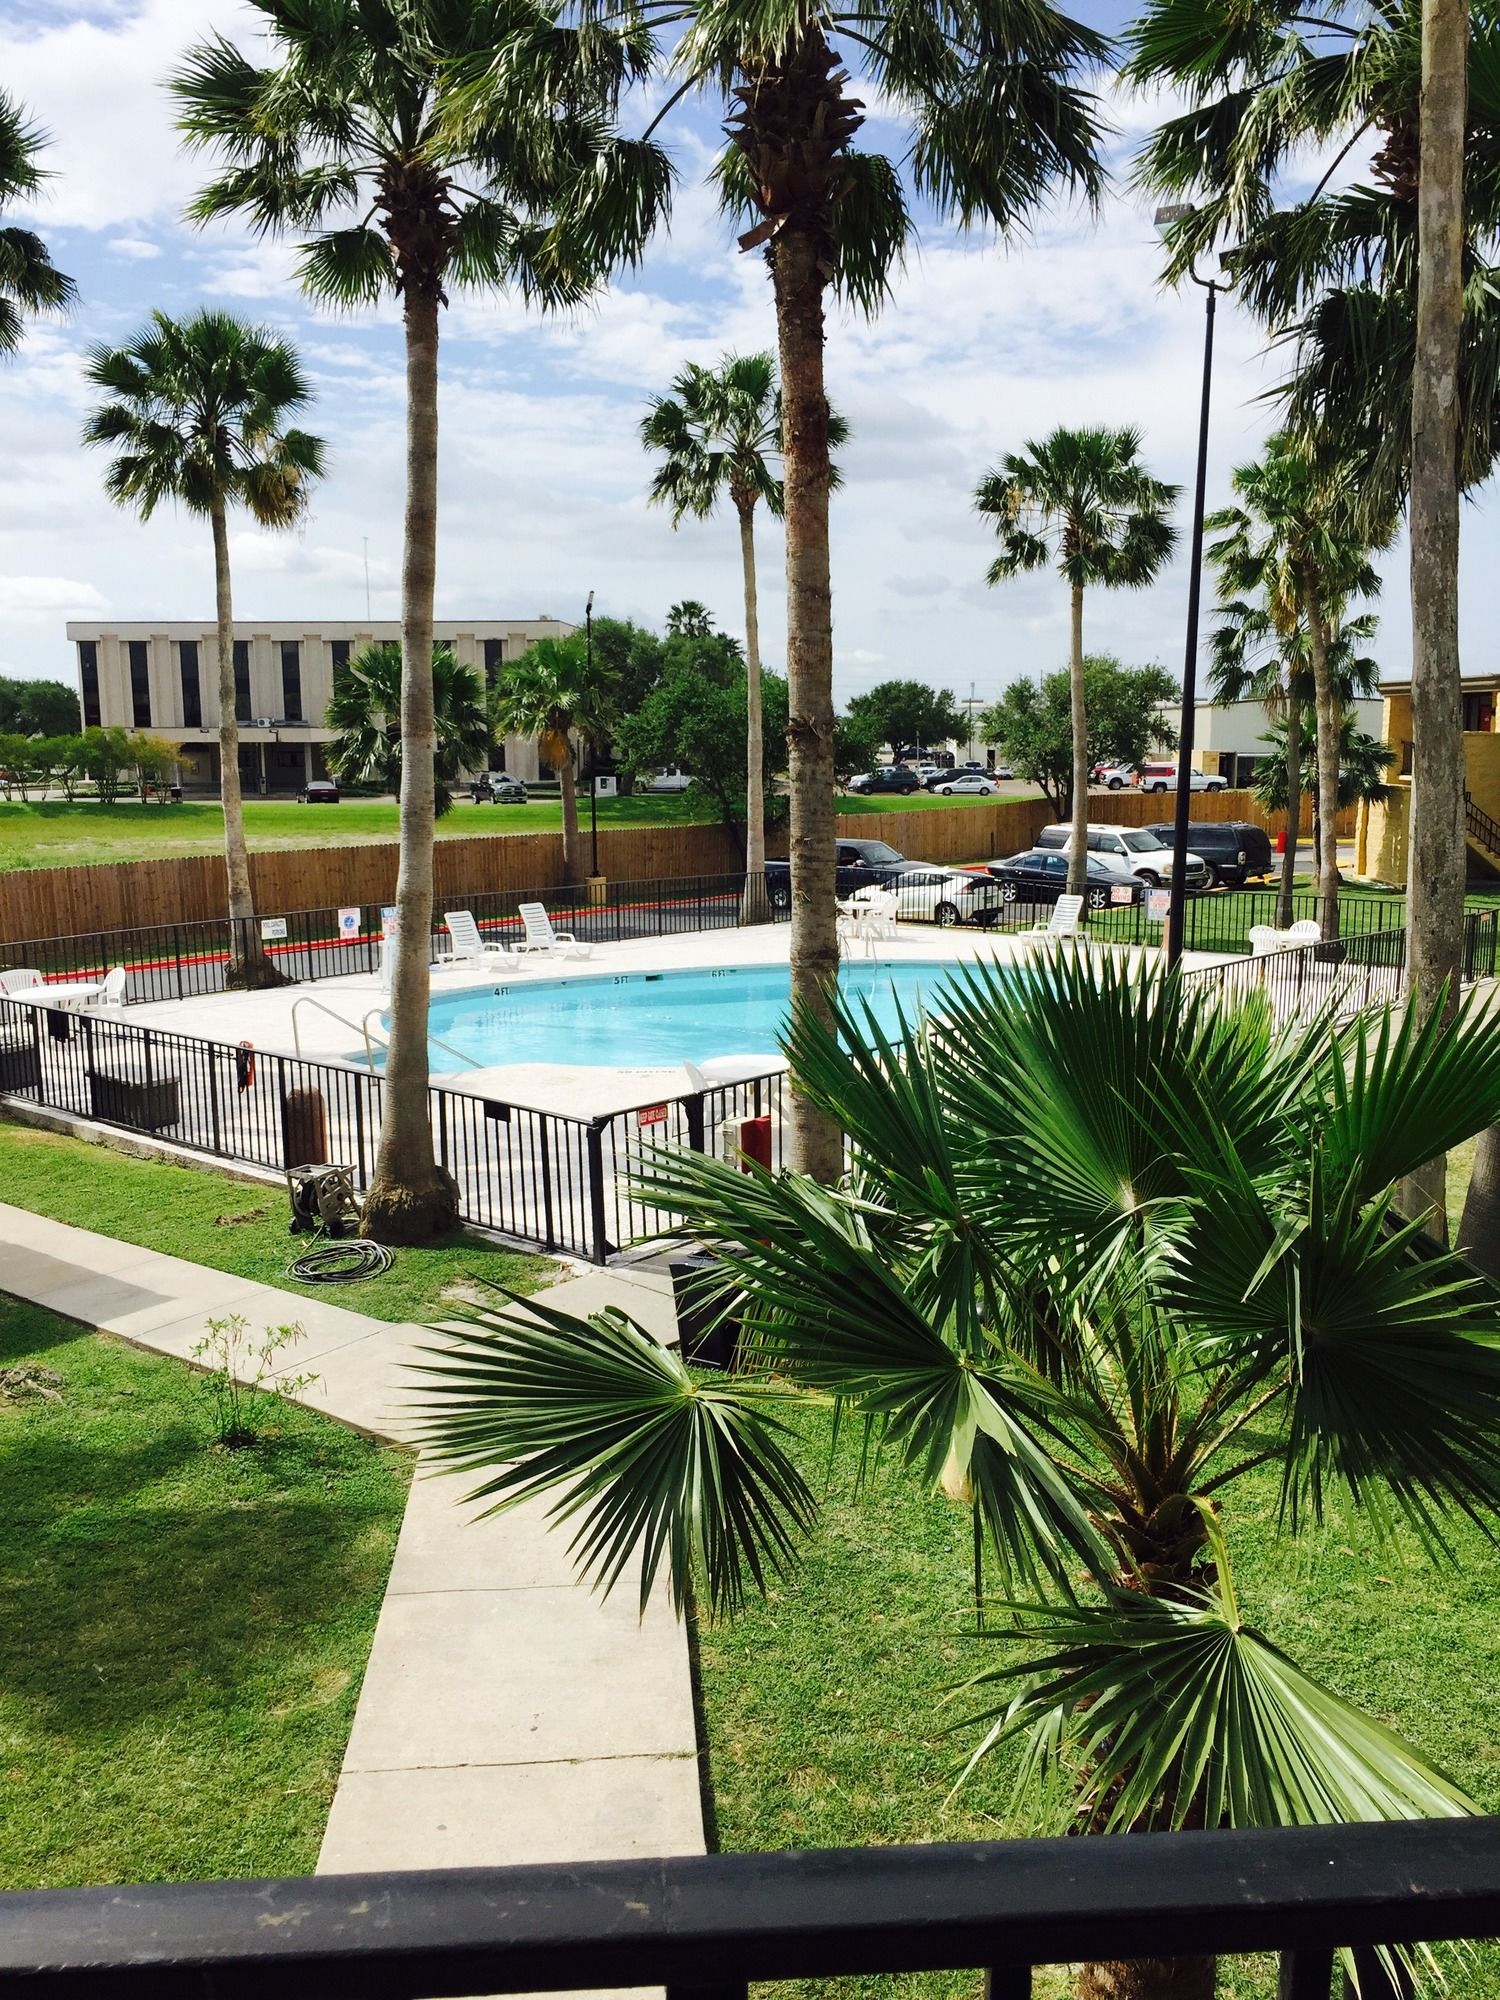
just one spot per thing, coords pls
(599, 1243)
(693, 1109)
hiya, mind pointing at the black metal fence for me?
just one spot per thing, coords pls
(559, 1182)
(705, 1926)
(1358, 970)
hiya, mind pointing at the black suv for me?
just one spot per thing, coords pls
(1232, 849)
(886, 778)
(861, 864)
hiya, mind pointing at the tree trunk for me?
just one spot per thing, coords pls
(248, 964)
(1479, 1231)
(1147, 1978)
(799, 277)
(752, 906)
(567, 784)
(411, 1199)
(1327, 717)
(1078, 845)
(1293, 813)
(1435, 900)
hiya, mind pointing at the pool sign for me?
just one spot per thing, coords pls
(273, 927)
(390, 919)
(1158, 903)
(651, 1114)
(1122, 893)
(349, 923)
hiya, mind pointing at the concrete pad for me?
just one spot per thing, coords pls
(489, 1816)
(446, 1544)
(521, 1676)
(23, 1234)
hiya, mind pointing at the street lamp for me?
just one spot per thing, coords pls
(1188, 730)
(588, 626)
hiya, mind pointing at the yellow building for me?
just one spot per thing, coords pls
(1385, 841)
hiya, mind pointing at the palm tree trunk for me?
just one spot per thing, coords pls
(799, 278)
(1293, 813)
(1436, 874)
(1147, 1979)
(248, 964)
(411, 1199)
(567, 784)
(1326, 702)
(752, 904)
(1078, 846)
(1479, 1231)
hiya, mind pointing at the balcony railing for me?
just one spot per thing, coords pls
(705, 1927)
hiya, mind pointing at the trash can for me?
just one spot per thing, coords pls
(304, 1129)
(707, 1335)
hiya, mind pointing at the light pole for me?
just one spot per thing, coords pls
(588, 626)
(1188, 730)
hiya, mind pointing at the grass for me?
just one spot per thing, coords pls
(53, 834)
(827, 1713)
(183, 1629)
(235, 1226)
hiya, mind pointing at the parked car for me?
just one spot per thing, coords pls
(860, 865)
(1041, 876)
(1139, 850)
(1002, 771)
(320, 792)
(972, 783)
(1162, 777)
(1234, 850)
(948, 896)
(498, 788)
(1115, 776)
(669, 780)
(886, 778)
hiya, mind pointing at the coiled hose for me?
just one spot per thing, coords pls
(341, 1263)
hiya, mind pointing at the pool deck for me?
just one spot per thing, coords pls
(329, 1013)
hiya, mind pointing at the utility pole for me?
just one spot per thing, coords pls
(366, 540)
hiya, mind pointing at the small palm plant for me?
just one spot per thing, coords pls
(1106, 1245)
(198, 412)
(720, 431)
(554, 693)
(366, 711)
(30, 282)
(1083, 500)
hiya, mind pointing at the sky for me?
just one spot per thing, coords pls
(543, 481)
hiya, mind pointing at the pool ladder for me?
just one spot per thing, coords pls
(362, 1028)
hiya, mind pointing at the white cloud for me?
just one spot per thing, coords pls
(139, 248)
(38, 597)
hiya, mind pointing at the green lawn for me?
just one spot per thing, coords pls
(57, 835)
(825, 1707)
(230, 1225)
(183, 1630)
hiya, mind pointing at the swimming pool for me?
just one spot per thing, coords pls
(631, 1020)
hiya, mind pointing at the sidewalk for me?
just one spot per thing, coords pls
(506, 1715)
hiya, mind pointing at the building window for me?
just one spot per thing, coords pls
(242, 680)
(88, 681)
(192, 699)
(291, 680)
(1479, 711)
(1406, 758)
(338, 650)
(140, 682)
(494, 653)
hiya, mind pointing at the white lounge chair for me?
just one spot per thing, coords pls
(470, 946)
(1063, 923)
(541, 937)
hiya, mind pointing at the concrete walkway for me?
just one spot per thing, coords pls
(506, 1714)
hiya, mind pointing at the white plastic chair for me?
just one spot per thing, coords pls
(541, 937)
(1264, 938)
(1063, 923)
(1304, 931)
(112, 994)
(879, 906)
(21, 980)
(470, 946)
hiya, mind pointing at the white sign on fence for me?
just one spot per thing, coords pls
(1158, 903)
(273, 927)
(349, 923)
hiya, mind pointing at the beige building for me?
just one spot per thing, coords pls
(1390, 822)
(1229, 737)
(163, 675)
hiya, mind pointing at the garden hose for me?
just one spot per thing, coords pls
(341, 1263)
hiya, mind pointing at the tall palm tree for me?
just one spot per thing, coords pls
(198, 413)
(30, 282)
(1080, 499)
(344, 138)
(720, 431)
(1295, 548)
(1089, 1377)
(994, 120)
(551, 693)
(365, 709)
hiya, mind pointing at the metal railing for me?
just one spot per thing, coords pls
(705, 1926)
(1350, 974)
(1482, 827)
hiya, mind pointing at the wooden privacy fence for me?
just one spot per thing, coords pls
(132, 895)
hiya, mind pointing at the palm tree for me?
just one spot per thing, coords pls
(346, 140)
(720, 430)
(995, 120)
(1086, 1318)
(197, 413)
(551, 693)
(1294, 549)
(366, 711)
(30, 282)
(1083, 500)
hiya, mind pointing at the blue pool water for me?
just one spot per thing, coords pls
(626, 1020)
